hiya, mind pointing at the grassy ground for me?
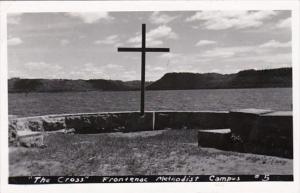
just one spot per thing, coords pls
(141, 153)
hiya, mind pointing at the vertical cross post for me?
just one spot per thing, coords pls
(143, 51)
(143, 69)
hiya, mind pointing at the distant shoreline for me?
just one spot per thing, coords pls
(271, 78)
(146, 90)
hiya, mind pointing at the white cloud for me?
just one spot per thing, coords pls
(91, 66)
(130, 75)
(14, 41)
(91, 71)
(267, 60)
(284, 23)
(113, 39)
(277, 59)
(154, 36)
(158, 68)
(205, 42)
(170, 55)
(90, 17)
(265, 55)
(162, 31)
(154, 42)
(15, 73)
(252, 50)
(42, 66)
(183, 62)
(64, 42)
(276, 44)
(237, 57)
(218, 20)
(39, 69)
(98, 71)
(159, 18)
(14, 18)
(113, 66)
(225, 52)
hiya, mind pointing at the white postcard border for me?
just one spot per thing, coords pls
(87, 6)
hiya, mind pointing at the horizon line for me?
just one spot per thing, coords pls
(151, 80)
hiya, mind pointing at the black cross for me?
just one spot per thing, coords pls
(143, 50)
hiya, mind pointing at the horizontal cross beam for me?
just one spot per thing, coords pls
(143, 49)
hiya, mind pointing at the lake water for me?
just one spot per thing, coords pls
(186, 100)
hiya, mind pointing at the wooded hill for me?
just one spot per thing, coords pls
(281, 77)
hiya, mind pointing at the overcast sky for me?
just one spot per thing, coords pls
(84, 45)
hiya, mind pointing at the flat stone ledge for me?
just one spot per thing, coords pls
(252, 111)
(30, 139)
(279, 114)
(24, 134)
(220, 131)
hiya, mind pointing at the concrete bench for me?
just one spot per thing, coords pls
(242, 121)
(272, 134)
(215, 138)
(263, 131)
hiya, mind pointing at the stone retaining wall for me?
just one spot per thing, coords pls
(110, 122)
(119, 122)
(252, 130)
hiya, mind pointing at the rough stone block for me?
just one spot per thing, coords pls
(30, 139)
(216, 138)
(53, 123)
(12, 135)
(39, 123)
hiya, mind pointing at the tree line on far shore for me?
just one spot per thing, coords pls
(280, 77)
